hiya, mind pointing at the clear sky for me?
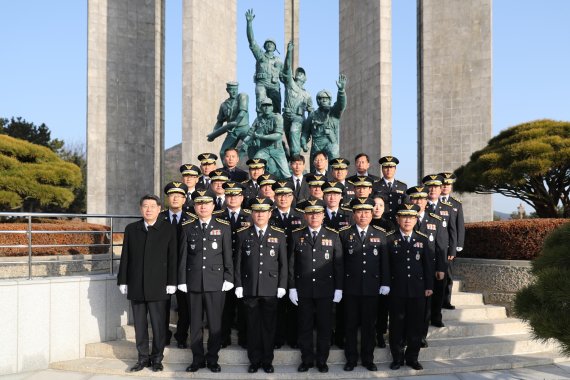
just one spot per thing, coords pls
(44, 60)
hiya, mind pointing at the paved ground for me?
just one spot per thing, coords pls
(547, 372)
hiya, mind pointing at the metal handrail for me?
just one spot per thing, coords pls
(29, 231)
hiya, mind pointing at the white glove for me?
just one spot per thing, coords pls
(384, 290)
(459, 249)
(183, 288)
(123, 289)
(170, 289)
(281, 292)
(239, 292)
(227, 286)
(337, 295)
(293, 296)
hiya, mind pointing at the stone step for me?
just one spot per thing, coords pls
(452, 329)
(120, 367)
(439, 349)
(474, 313)
(463, 299)
(457, 286)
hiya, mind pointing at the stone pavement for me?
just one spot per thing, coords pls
(546, 372)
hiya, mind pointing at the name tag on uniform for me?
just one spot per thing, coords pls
(374, 240)
(419, 244)
(245, 224)
(431, 226)
(444, 212)
(296, 222)
(215, 232)
(327, 242)
(343, 223)
(400, 191)
(272, 240)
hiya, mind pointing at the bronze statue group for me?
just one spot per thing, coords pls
(276, 258)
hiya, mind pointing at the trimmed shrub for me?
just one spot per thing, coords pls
(545, 304)
(508, 240)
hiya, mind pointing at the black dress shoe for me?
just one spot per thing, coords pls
(268, 368)
(294, 346)
(182, 345)
(304, 367)
(438, 324)
(195, 366)
(277, 346)
(139, 366)
(448, 306)
(395, 365)
(424, 343)
(381, 342)
(157, 367)
(214, 367)
(322, 367)
(370, 366)
(253, 368)
(415, 365)
(349, 366)
(340, 345)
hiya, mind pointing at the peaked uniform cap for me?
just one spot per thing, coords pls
(388, 161)
(417, 192)
(219, 175)
(332, 187)
(339, 163)
(260, 204)
(207, 158)
(310, 206)
(266, 179)
(362, 204)
(363, 181)
(408, 209)
(233, 188)
(448, 178)
(256, 163)
(175, 187)
(190, 169)
(203, 196)
(315, 179)
(283, 187)
(432, 180)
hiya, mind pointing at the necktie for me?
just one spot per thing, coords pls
(260, 234)
(389, 186)
(207, 180)
(284, 215)
(204, 225)
(420, 221)
(219, 203)
(333, 215)
(314, 236)
(362, 235)
(407, 238)
(174, 219)
(298, 186)
(444, 199)
(233, 216)
(431, 207)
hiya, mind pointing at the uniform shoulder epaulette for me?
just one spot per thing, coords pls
(277, 229)
(421, 234)
(403, 183)
(379, 228)
(217, 212)
(345, 208)
(455, 199)
(344, 228)
(435, 216)
(350, 181)
(331, 229)
(446, 203)
(244, 182)
(242, 229)
(298, 229)
(187, 221)
(220, 220)
(390, 232)
(246, 210)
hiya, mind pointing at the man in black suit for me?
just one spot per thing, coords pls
(231, 159)
(446, 197)
(205, 273)
(237, 217)
(147, 275)
(261, 278)
(285, 217)
(411, 281)
(366, 274)
(207, 165)
(251, 188)
(297, 165)
(176, 195)
(362, 163)
(190, 176)
(394, 190)
(321, 165)
(315, 282)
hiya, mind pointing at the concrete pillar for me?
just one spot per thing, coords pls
(366, 59)
(209, 59)
(125, 110)
(292, 29)
(454, 89)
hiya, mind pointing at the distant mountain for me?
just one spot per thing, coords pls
(501, 215)
(172, 162)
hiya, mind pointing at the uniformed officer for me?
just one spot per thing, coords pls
(217, 179)
(366, 275)
(315, 182)
(395, 190)
(446, 190)
(315, 282)
(411, 281)
(190, 175)
(430, 224)
(207, 165)
(362, 163)
(256, 168)
(359, 187)
(237, 217)
(261, 278)
(433, 183)
(205, 272)
(339, 170)
(265, 183)
(176, 194)
(284, 216)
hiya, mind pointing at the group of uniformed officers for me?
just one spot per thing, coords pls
(351, 252)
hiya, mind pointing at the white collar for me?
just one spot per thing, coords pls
(360, 229)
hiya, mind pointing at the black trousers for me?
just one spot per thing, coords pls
(261, 318)
(241, 322)
(382, 316)
(437, 300)
(428, 314)
(213, 304)
(339, 330)
(315, 311)
(406, 326)
(228, 318)
(360, 311)
(448, 280)
(157, 311)
(183, 323)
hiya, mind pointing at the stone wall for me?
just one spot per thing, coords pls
(498, 280)
(51, 320)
